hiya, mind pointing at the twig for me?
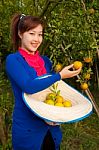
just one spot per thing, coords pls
(65, 53)
(84, 7)
(92, 100)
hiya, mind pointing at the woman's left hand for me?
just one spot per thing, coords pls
(52, 123)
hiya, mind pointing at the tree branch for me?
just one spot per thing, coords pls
(83, 4)
(45, 8)
(56, 3)
(48, 2)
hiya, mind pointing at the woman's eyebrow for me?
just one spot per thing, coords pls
(37, 31)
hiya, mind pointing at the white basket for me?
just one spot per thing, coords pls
(81, 106)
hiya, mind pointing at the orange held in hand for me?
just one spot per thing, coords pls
(77, 65)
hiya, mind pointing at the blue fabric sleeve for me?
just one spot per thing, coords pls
(17, 73)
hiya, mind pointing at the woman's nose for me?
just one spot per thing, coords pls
(36, 38)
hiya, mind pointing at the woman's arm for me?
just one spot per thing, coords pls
(17, 72)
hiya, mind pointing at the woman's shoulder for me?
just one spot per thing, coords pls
(48, 62)
(46, 59)
(12, 56)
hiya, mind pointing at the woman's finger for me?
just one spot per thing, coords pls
(70, 66)
(52, 123)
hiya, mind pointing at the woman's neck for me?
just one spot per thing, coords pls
(29, 52)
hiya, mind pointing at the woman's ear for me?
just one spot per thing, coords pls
(20, 35)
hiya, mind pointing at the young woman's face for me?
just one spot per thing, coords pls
(32, 39)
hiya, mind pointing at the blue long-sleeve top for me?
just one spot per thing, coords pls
(24, 78)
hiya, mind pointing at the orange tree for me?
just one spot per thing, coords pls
(72, 34)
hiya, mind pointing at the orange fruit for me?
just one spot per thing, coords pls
(67, 103)
(77, 64)
(58, 67)
(59, 104)
(84, 86)
(51, 96)
(91, 11)
(59, 99)
(49, 101)
(87, 59)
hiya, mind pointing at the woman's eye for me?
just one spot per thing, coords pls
(32, 33)
(40, 34)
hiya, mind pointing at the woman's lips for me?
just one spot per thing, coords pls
(35, 45)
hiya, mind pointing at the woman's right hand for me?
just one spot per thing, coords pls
(67, 73)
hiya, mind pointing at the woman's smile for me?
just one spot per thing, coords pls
(35, 45)
(32, 39)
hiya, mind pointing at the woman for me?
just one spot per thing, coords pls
(30, 132)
